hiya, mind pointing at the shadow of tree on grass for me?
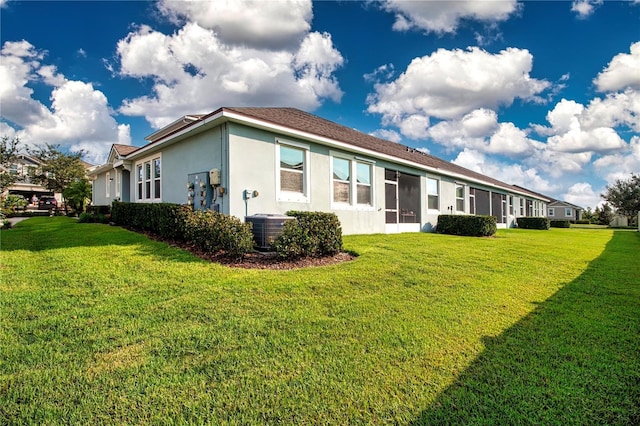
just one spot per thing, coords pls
(574, 360)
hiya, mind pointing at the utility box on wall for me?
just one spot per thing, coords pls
(199, 192)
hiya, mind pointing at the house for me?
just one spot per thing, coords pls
(23, 168)
(561, 210)
(246, 161)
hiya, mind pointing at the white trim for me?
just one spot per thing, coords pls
(353, 182)
(288, 196)
(107, 186)
(147, 197)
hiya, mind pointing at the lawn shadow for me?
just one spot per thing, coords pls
(50, 233)
(575, 359)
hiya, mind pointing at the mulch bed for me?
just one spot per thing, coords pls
(257, 260)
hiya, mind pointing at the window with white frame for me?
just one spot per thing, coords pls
(292, 171)
(459, 198)
(568, 212)
(433, 194)
(343, 169)
(472, 201)
(551, 212)
(341, 180)
(148, 179)
(139, 178)
(363, 183)
(107, 185)
(511, 205)
(156, 178)
(521, 206)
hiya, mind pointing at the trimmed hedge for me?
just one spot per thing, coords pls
(164, 219)
(541, 223)
(467, 225)
(560, 224)
(86, 217)
(312, 234)
(209, 231)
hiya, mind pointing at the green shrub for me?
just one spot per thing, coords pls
(86, 217)
(468, 225)
(164, 219)
(542, 223)
(99, 209)
(213, 231)
(6, 224)
(312, 234)
(583, 222)
(14, 202)
(209, 231)
(559, 224)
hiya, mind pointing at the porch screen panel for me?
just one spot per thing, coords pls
(409, 198)
(391, 202)
(497, 201)
(483, 202)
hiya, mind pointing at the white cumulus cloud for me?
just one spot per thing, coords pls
(270, 25)
(195, 70)
(584, 8)
(445, 16)
(451, 83)
(622, 72)
(79, 116)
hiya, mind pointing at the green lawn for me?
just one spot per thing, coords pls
(99, 325)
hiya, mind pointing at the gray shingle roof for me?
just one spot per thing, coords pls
(306, 122)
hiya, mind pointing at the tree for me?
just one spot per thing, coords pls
(8, 156)
(59, 169)
(624, 196)
(78, 194)
(604, 214)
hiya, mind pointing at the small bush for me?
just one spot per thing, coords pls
(6, 224)
(467, 225)
(560, 224)
(209, 231)
(541, 223)
(583, 222)
(312, 234)
(213, 231)
(93, 218)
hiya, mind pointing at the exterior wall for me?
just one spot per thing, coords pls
(560, 214)
(199, 153)
(257, 172)
(99, 197)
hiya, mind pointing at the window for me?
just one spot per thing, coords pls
(139, 181)
(156, 178)
(568, 212)
(511, 205)
(292, 165)
(341, 180)
(521, 206)
(551, 212)
(363, 186)
(343, 169)
(460, 198)
(148, 179)
(432, 194)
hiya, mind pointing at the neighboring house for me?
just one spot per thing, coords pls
(561, 210)
(246, 161)
(23, 167)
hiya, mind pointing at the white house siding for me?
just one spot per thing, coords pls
(100, 190)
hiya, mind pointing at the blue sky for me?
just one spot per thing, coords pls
(542, 94)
